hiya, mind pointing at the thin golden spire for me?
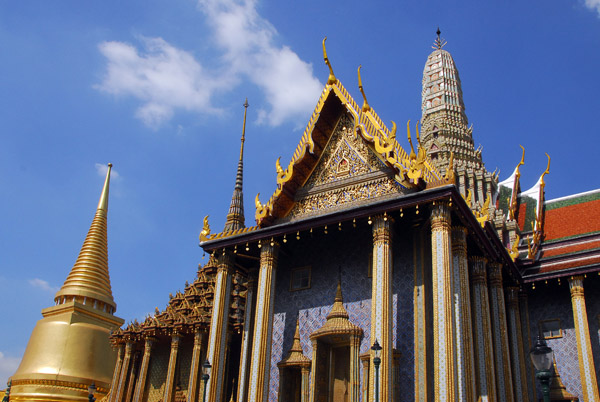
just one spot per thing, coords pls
(89, 278)
(103, 203)
(235, 216)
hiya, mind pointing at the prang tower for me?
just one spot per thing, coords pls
(445, 126)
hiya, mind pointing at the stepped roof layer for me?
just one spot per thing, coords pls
(572, 237)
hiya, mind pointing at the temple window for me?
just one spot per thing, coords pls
(300, 279)
(551, 329)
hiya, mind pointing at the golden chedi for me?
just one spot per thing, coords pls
(69, 347)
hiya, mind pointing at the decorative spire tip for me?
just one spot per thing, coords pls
(439, 41)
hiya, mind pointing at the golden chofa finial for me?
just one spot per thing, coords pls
(365, 106)
(331, 80)
(412, 148)
(545, 171)
(393, 133)
(518, 174)
(103, 202)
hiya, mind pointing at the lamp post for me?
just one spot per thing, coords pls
(376, 362)
(205, 376)
(91, 392)
(541, 357)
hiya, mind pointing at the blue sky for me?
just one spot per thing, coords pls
(156, 87)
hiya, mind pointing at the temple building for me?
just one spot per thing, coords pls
(364, 240)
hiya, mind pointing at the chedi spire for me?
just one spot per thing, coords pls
(235, 216)
(89, 277)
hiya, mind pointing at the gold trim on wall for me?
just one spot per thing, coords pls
(560, 327)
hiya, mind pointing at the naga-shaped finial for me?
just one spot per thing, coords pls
(257, 202)
(205, 230)
(365, 106)
(545, 172)
(393, 133)
(522, 161)
(278, 166)
(412, 148)
(331, 80)
(449, 176)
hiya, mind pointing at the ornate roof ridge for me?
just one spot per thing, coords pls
(372, 129)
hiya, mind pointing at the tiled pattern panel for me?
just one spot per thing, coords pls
(550, 302)
(403, 286)
(591, 286)
(157, 371)
(342, 254)
(184, 364)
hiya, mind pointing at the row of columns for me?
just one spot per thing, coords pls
(478, 343)
(130, 376)
(474, 346)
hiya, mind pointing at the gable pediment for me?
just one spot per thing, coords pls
(346, 156)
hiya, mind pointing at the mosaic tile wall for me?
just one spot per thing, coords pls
(591, 286)
(342, 254)
(403, 287)
(157, 371)
(553, 301)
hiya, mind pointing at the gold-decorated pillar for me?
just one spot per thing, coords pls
(132, 375)
(421, 307)
(524, 308)
(381, 305)
(142, 377)
(246, 342)
(443, 327)
(116, 374)
(258, 390)
(195, 365)
(504, 386)
(305, 370)
(217, 338)
(170, 381)
(587, 371)
(465, 359)
(124, 371)
(482, 330)
(354, 394)
(516, 345)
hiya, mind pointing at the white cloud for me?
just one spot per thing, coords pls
(593, 5)
(167, 79)
(42, 284)
(248, 42)
(102, 168)
(163, 77)
(8, 366)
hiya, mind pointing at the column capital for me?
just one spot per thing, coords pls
(440, 216)
(477, 269)
(512, 294)
(459, 240)
(495, 274)
(576, 286)
(269, 251)
(382, 229)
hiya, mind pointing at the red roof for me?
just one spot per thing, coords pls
(572, 220)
